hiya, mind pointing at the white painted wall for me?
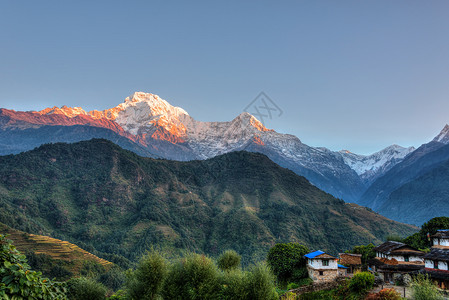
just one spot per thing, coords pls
(442, 265)
(443, 242)
(317, 263)
(400, 257)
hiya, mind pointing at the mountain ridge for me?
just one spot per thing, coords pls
(166, 131)
(94, 193)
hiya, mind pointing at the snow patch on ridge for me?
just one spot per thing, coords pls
(369, 166)
(443, 136)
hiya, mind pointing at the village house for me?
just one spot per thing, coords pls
(394, 259)
(352, 261)
(321, 266)
(437, 261)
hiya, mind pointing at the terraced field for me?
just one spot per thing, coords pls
(56, 249)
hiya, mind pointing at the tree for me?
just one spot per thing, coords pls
(193, 277)
(147, 280)
(424, 289)
(366, 251)
(18, 281)
(285, 259)
(229, 260)
(361, 283)
(84, 288)
(420, 239)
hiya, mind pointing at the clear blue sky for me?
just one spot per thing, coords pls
(357, 75)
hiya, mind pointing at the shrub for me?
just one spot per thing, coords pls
(84, 288)
(234, 285)
(424, 289)
(229, 260)
(292, 285)
(285, 258)
(147, 280)
(385, 294)
(361, 283)
(193, 277)
(19, 282)
(113, 279)
(260, 283)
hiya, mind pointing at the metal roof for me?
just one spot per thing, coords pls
(314, 254)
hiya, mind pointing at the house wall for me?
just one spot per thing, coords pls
(328, 275)
(443, 242)
(317, 263)
(399, 257)
(442, 265)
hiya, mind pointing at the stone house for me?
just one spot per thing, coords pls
(321, 266)
(437, 261)
(394, 259)
(352, 261)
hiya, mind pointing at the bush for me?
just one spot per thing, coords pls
(424, 289)
(147, 280)
(84, 288)
(19, 282)
(385, 294)
(229, 260)
(113, 279)
(284, 259)
(193, 277)
(361, 283)
(260, 283)
(234, 285)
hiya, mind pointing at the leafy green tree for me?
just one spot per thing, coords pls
(84, 288)
(420, 239)
(285, 258)
(147, 280)
(229, 260)
(193, 277)
(424, 289)
(260, 283)
(366, 251)
(361, 283)
(19, 282)
(234, 285)
(113, 279)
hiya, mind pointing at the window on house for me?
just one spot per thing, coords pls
(435, 264)
(325, 263)
(406, 258)
(321, 273)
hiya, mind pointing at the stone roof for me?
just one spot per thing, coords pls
(442, 234)
(438, 254)
(393, 247)
(436, 274)
(394, 265)
(389, 246)
(350, 259)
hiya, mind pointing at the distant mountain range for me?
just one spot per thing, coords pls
(150, 126)
(113, 201)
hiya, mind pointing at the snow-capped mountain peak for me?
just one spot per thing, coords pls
(372, 166)
(443, 136)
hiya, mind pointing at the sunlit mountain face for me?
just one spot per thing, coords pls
(150, 126)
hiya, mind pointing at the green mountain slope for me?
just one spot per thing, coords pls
(98, 195)
(421, 199)
(64, 254)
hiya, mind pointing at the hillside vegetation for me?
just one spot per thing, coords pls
(66, 255)
(109, 200)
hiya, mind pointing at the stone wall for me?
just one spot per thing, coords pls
(318, 286)
(328, 275)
